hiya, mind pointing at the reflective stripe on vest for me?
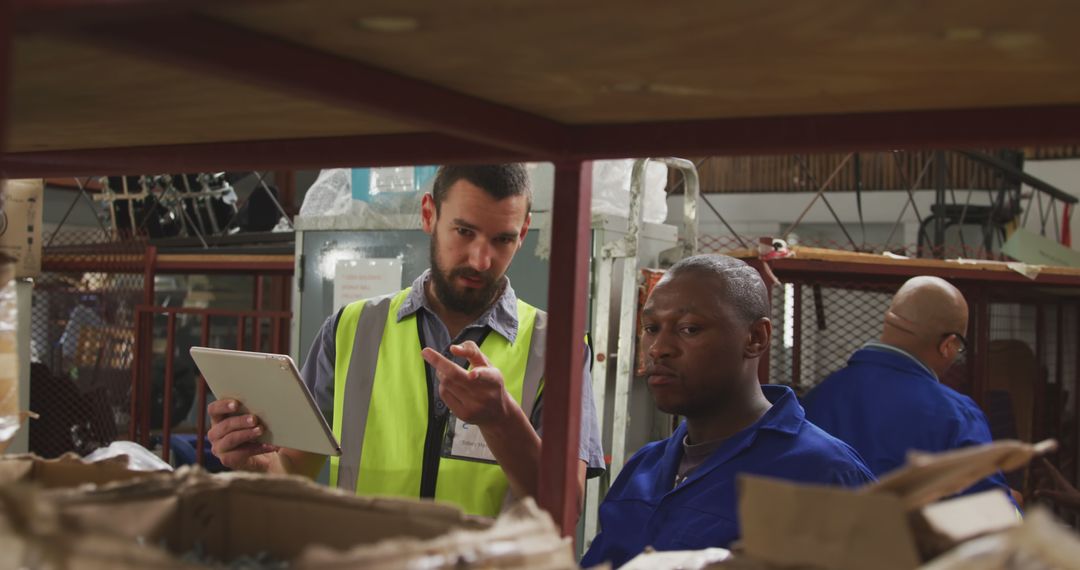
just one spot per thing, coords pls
(381, 404)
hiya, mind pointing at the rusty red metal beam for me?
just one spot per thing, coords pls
(951, 128)
(311, 153)
(565, 354)
(226, 266)
(232, 51)
(1015, 126)
(214, 312)
(200, 429)
(785, 268)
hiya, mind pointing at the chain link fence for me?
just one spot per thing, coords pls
(729, 243)
(81, 343)
(817, 326)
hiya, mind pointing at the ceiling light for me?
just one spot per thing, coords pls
(388, 24)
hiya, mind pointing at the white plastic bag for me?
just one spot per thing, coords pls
(329, 203)
(139, 458)
(330, 195)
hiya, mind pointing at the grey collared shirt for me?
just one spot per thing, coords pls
(500, 318)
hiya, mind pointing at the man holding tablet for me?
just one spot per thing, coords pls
(435, 391)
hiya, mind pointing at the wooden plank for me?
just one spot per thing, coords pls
(623, 61)
(70, 95)
(582, 63)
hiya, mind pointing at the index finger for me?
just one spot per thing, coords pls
(472, 352)
(441, 364)
(221, 409)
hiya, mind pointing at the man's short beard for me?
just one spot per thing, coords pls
(468, 301)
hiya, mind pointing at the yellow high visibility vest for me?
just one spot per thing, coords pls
(382, 416)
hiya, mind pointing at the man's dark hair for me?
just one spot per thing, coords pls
(498, 180)
(743, 286)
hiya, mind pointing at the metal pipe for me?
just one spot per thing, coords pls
(1019, 176)
(258, 306)
(604, 264)
(939, 201)
(166, 415)
(796, 339)
(215, 312)
(275, 335)
(1040, 354)
(821, 190)
(135, 394)
(200, 429)
(241, 325)
(149, 268)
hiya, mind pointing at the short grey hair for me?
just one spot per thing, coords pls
(743, 286)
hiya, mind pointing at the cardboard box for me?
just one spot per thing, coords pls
(193, 515)
(20, 224)
(894, 524)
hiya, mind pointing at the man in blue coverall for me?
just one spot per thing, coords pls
(705, 326)
(889, 400)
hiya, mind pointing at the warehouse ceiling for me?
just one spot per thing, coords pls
(512, 73)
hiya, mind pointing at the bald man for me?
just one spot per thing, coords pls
(889, 399)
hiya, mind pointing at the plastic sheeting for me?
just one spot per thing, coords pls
(611, 189)
(390, 203)
(10, 418)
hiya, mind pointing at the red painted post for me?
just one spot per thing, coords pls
(285, 180)
(135, 393)
(980, 363)
(166, 413)
(200, 430)
(241, 326)
(275, 335)
(567, 296)
(1059, 365)
(257, 325)
(145, 335)
(1039, 431)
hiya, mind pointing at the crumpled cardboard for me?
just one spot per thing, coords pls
(1041, 542)
(68, 470)
(159, 521)
(522, 537)
(893, 524)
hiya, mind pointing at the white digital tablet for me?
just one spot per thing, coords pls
(268, 386)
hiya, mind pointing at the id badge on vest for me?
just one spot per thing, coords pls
(465, 442)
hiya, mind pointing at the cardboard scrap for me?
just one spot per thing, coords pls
(1041, 542)
(159, 521)
(928, 477)
(522, 537)
(68, 470)
(893, 524)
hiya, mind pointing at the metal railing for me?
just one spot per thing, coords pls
(140, 429)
